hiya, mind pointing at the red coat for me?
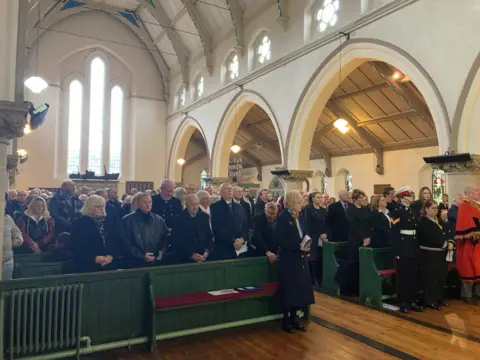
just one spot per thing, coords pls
(468, 236)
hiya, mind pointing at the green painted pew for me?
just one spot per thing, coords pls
(85, 313)
(377, 270)
(39, 265)
(330, 265)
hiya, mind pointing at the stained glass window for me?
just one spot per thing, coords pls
(233, 68)
(203, 183)
(348, 182)
(439, 184)
(327, 14)
(97, 95)
(116, 115)
(264, 50)
(74, 127)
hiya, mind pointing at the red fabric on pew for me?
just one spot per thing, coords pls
(205, 297)
(387, 273)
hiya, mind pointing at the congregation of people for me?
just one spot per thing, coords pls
(98, 232)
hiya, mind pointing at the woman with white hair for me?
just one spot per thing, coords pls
(181, 194)
(37, 227)
(204, 198)
(95, 238)
(295, 285)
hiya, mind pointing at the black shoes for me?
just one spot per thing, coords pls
(299, 327)
(288, 328)
(442, 304)
(415, 307)
(433, 306)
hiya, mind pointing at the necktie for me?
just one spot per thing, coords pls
(230, 207)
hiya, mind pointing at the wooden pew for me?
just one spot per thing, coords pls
(71, 315)
(330, 265)
(39, 265)
(377, 270)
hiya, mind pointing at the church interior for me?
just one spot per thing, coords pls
(117, 102)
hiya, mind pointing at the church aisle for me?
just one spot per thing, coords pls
(263, 342)
(416, 340)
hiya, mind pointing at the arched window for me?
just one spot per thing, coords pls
(74, 127)
(97, 95)
(182, 97)
(203, 183)
(324, 183)
(232, 68)
(348, 182)
(116, 117)
(438, 184)
(264, 50)
(327, 14)
(199, 88)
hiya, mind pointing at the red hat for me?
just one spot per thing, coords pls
(403, 191)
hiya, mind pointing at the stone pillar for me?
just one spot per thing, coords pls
(294, 179)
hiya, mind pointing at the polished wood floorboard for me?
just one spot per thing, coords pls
(264, 342)
(458, 317)
(410, 338)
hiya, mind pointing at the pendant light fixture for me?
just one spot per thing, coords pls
(35, 83)
(181, 162)
(235, 148)
(341, 124)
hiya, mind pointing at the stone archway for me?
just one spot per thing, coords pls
(179, 147)
(326, 79)
(229, 124)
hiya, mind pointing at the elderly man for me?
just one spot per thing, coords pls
(263, 240)
(144, 234)
(238, 197)
(18, 204)
(337, 219)
(229, 225)
(65, 207)
(193, 235)
(204, 198)
(468, 248)
(12, 195)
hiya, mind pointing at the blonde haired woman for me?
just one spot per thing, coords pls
(37, 227)
(295, 285)
(181, 194)
(95, 238)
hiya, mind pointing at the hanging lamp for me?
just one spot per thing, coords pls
(35, 83)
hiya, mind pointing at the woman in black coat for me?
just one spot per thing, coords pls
(434, 238)
(359, 234)
(95, 238)
(381, 222)
(295, 287)
(316, 228)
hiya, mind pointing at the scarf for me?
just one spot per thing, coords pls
(99, 221)
(143, 215)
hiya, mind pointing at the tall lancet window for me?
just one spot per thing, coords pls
(75, 100)
(116, 117)
(97, 95)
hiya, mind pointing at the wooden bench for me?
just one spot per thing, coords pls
(180, 304)
(377, 270)
(39, 265)
(330, 265)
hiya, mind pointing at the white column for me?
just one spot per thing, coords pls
(457, 182)
(13, 15)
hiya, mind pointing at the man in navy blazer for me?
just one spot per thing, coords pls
(337, 219)
(229, 225)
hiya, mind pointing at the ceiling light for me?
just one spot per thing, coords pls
(36, 84)
(235, 149)
(396, 75)
(181, 162)
(341, 125)
(27, 129)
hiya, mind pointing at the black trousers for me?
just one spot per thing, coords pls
(407, 279)
(290, 316)
(434, 270)
(316, 267)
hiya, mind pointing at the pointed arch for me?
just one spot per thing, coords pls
(179, 146)
(325, 80)
(236, 110)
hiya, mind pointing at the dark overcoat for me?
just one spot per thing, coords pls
(295, 284)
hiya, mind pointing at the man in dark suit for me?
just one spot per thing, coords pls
(249, 199)
(337, 219)
(229, 225)
(389, 194)
(262, 237)
(238, 197)
(192, 232)
(169, 208)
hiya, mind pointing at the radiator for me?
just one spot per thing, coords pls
(42, 320)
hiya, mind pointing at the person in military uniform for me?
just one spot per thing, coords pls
(405, 250)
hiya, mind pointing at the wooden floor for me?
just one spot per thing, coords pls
(339, 330)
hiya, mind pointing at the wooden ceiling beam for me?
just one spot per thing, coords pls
(258, 123)
(258, 138)
(324, 130)
(385, 85)
(254, 161)
(195, 158)
(336, 108)
(387, 118)
(405, 91)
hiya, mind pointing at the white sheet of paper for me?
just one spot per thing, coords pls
(223, 292)
(243, 249)
(306, 240)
